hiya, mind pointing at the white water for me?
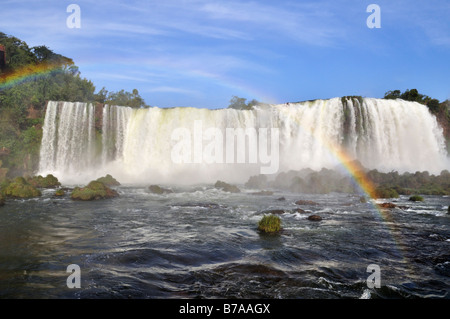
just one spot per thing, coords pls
(136, 144)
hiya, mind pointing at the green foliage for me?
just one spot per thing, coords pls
(433, 105)
(18, 53)
(121, 98)
(392, 95)
(20, 188)
(417, 183)
(385, 192)
(46, 76)
(270, 224)
(416, 198)
(239, 103)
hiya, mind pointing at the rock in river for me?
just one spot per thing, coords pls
(93, 191)
(155, 189)
(315, 218)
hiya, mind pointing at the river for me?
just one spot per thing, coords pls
(201, 242)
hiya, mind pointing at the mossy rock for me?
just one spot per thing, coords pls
(155, 189)
(20, 188)
(60, 192)
(2, 200)
(39, 181)
(416, 198)
(270, 224)
(108, 180)
(93, 191)
(227, 187)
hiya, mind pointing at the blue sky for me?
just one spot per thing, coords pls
(200, 53)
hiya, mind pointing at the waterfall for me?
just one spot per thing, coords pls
(67, 145)
(138, 145)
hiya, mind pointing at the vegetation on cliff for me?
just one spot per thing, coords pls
(32, 76)
(440, 109)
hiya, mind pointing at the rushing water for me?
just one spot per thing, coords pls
(138, 145)
(203, 242)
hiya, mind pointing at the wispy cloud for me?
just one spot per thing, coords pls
(169, 89)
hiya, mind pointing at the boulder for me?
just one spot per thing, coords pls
(227, 187)
(108, 180)
(281, 199)
(20, 188)
(60, 192)
(315, 218)
(387, 205)
(39, 181)
(93, 191)
(155, 189)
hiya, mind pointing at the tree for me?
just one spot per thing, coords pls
(411, 95)
(392, 94)
(100, 97)
(124, 98)
(239, 103)
(433, 105)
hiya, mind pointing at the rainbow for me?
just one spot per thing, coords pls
(26, 73)
(367, 187)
